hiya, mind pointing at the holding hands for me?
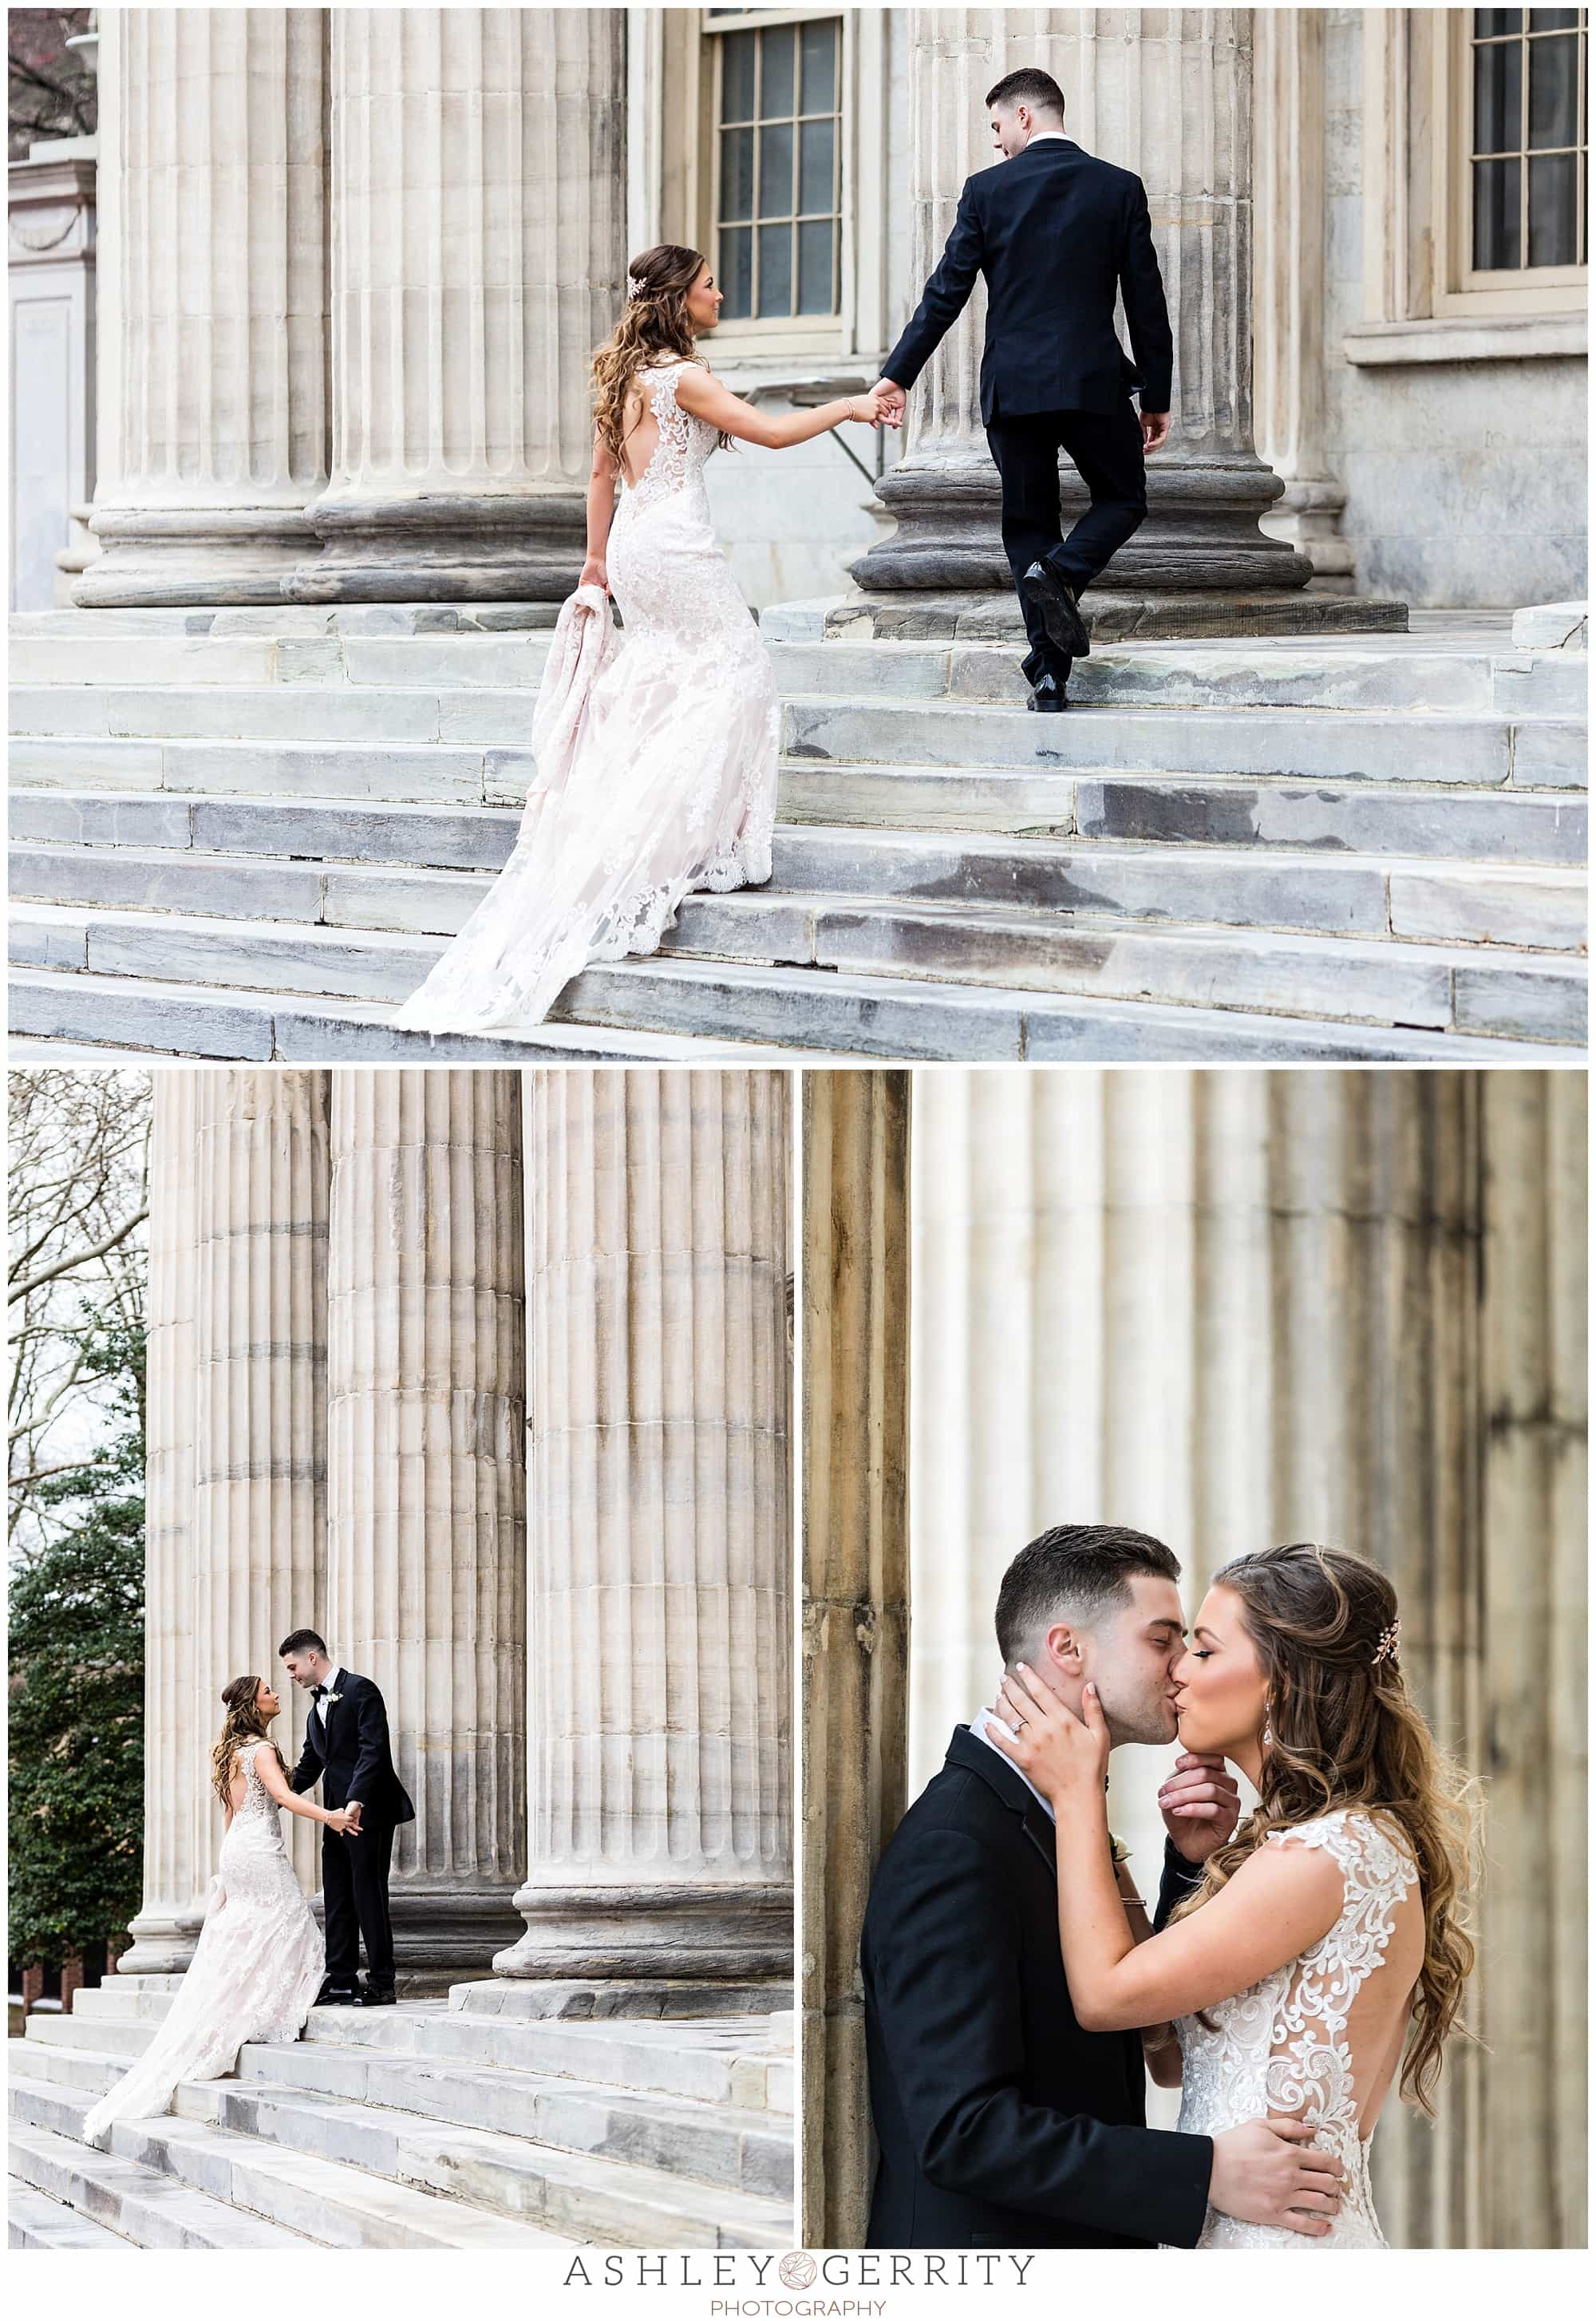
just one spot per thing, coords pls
(1064, 1756)
(346, 1821)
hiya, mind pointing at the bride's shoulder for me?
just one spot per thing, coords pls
(1356, 1838)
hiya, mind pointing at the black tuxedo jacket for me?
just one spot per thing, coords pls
(1003, 2123)
(1054, 231)
(356, 1760)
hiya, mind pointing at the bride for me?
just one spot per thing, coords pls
(259, 1962)
(656, 763)
(1321, 1949)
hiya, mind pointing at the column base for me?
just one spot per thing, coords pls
(440, 1936)
(597, 2002)
(466, 546)
(1202, 529)
(1114, 616)
(193, 556)
(698, 1933)
(162, 1942)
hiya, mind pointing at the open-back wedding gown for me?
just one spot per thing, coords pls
(255, 1974)
(663, 782)
(1289, 2046)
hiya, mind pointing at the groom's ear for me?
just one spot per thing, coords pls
(1063, 1649)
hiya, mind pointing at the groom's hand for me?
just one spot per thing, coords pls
(1154, 429)
(893, 401)
(1201, 1804)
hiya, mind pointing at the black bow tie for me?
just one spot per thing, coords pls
(317, 1690)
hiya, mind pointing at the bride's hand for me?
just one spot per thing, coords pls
(344, 1823)
(871, 410)
(595, 574)
(1063, 1756)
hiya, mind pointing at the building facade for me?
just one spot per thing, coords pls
(1232, 1308)
(485, 1376)
(1370, 224)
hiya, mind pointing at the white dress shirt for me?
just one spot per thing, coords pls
(978, 1724)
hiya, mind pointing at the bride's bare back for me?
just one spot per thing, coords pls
(640, 436)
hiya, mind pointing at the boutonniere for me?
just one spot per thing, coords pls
(1121, 1852)
(331, 1696)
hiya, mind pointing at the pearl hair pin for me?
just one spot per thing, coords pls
(1389, 1645)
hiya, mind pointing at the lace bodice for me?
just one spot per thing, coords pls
(257, 1804)
(1283, 2047)
(676, 463)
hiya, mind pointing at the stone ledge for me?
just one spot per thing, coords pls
(1466, 338)
(1110, 616)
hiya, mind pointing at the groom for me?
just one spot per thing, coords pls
(346, 1748)
(1001, 2123)
(1055, 233)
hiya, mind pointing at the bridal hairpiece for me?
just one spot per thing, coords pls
(634, 285)
(1389, 1646)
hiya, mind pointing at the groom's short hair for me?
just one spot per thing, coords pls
(302, 1640)
(1075, 1572)
(1028, 85)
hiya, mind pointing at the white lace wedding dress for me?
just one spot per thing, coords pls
(1283, 2047)
(671, 784)
(259, 1962)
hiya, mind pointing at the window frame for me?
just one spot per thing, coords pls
(1462, 289)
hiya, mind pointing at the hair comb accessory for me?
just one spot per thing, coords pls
(634, 285)
(1389, 1644)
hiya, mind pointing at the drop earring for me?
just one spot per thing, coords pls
(1268, 1735)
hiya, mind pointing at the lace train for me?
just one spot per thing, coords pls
(255, 1974)
(662, 782)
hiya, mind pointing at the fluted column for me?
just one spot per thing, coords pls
(1167, 94)
(258, 1255)
(855, 1599)
(213, 381)
(426, 1482)
(661, 1843)
(1532, 1679)
(1290, 170)
(478, 254)
(163, 1934)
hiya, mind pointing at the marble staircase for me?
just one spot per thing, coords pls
(429, 2124)
(251, 833)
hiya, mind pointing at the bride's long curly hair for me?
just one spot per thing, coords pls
(242, 1724)
(1346, 1732)
(655, 326)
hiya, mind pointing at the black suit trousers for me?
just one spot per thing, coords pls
(1106, 449)
(355, 1889)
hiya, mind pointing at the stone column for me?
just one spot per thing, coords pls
(1290, 170)
(163, 1934)
(478, 202)
(258, 1259)
(1531, 1680)
(426, 1482)
(1165, 92)
(661, 1844)
(856, 1592)
(213, 381)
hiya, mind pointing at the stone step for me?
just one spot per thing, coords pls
(104, 2034)
(784, 1013)
(1528, 906)
(1320, 818)
(608, 2193)
(710, 2142)
(304, 2193)
(1525, 997)
(128, 1998)
(91, 2069)
(732, 2060)
(1328, 673)
(33, 2220)
(1411, 746)
(135, 2203)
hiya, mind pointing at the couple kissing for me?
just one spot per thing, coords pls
(1298, 1964)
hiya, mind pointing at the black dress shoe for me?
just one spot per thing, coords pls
(370, 1998)
(338, 1998)
(1055, 599)
(1048, 694)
